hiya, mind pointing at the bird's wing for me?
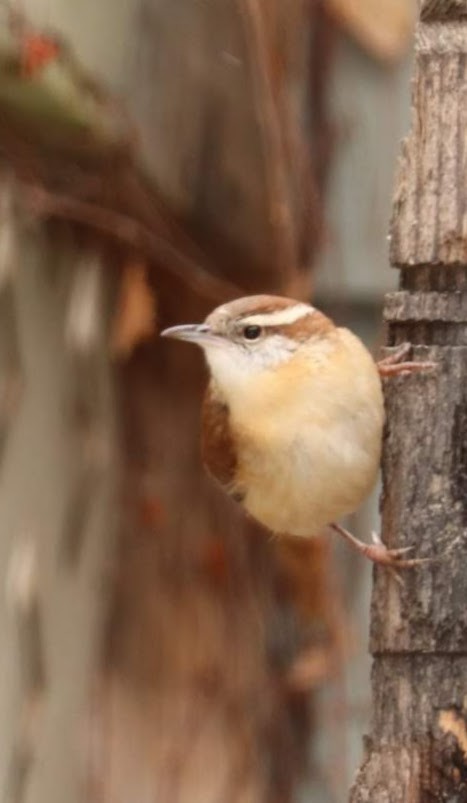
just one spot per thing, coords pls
(217, 447)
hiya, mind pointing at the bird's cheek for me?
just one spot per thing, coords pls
(228, 366)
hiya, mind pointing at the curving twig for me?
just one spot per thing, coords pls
(44, 203)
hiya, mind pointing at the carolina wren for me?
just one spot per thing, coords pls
(293, 416)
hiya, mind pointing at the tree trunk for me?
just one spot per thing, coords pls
(417, 750)
(199, 703)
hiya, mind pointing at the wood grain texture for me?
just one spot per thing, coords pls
(405, 306)
(439, 9)
(430, 208)
(419, 631)
(416, 752)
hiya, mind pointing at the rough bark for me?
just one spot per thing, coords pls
(439, 9)
(417, 751)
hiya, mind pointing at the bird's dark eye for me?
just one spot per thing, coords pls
(251, 332)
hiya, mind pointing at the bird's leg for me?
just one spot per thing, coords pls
(395, 365)
(378, 552)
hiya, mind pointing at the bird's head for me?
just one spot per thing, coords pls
(256, 335)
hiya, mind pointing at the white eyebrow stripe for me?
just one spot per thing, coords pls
(280, 318)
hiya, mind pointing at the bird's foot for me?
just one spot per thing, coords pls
(396, 365)
(379, 553)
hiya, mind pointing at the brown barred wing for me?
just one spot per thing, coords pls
(217, 446)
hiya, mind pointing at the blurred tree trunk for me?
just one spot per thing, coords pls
(417, 750)
(203, 635)
(216, 195)
(204, 632)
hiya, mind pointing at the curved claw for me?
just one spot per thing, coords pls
(402, 551)
(379, 553)
(376, 538)
(396, 356)
(397, 577)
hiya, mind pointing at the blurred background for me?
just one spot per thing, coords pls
(158, 158)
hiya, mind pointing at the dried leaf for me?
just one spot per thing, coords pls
(312, 667)
(134, 319)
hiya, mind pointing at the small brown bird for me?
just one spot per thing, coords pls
(293, 415)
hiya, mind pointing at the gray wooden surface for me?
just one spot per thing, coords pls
(416, 747)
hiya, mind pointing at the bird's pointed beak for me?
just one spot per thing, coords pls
(199, 333)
